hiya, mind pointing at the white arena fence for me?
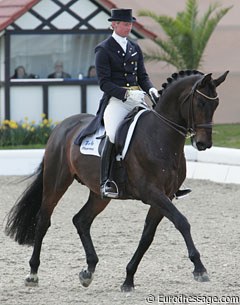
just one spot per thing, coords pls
(216, 164)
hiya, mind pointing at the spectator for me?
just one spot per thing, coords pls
(59, 73)
(20, 73)
(92, 72)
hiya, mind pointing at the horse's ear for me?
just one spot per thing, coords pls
(221, 79)
(206, 79)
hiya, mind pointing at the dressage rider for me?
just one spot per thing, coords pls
(123, 79)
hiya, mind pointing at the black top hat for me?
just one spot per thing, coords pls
(122, 15)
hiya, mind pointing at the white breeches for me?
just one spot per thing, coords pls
(114, 114)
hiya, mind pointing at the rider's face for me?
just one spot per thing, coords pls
(122, 28)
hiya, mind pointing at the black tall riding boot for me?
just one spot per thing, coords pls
(108, 188)
(182, 193)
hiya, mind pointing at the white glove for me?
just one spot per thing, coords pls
(135, 96)
(153, 92)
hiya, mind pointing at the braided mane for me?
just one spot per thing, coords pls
(177, 76)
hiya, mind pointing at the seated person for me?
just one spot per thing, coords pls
(92, 72)
(20, 73)
(59, 73)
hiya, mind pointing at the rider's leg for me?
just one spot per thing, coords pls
(114, 113)
(108, 188)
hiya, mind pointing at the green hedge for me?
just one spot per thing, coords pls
(25, 133)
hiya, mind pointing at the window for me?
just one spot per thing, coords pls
(38, 53)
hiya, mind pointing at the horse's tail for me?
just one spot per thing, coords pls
(22, 218)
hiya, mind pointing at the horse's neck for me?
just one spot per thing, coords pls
(171, 120)
(165, 132)
(169, 106)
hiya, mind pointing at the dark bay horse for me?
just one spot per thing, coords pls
(155, 165)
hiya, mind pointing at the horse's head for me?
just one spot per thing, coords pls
(203, 101)
(187, 103)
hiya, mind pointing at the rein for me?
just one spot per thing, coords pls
(190, 130)
(180, 129)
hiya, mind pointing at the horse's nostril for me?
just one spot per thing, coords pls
(201, 146)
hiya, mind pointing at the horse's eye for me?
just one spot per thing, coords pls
(201, 103)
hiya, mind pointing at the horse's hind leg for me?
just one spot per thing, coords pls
(52, 192)
(82, 221)
(152, 220)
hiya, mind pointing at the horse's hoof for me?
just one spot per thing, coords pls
(201, 276)
(85, 277)
(127, 288)
(31, 280)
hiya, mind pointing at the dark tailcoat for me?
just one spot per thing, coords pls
(116, 71)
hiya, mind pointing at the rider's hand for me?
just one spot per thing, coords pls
(153, 92)
(135, 95)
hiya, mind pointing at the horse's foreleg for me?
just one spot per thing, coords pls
(152, 220)
(199, 272)
(82, 221)
(169, 210)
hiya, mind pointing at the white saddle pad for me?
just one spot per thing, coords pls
(91, 143)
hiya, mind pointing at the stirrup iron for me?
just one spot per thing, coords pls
(109, 193)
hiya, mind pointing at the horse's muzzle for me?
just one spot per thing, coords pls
(201, 145)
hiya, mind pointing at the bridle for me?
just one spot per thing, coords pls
(206, 96)
(191, 126)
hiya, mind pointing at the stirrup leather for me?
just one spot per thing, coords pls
(109, 190)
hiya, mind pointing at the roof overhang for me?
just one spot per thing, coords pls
(12, 10)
